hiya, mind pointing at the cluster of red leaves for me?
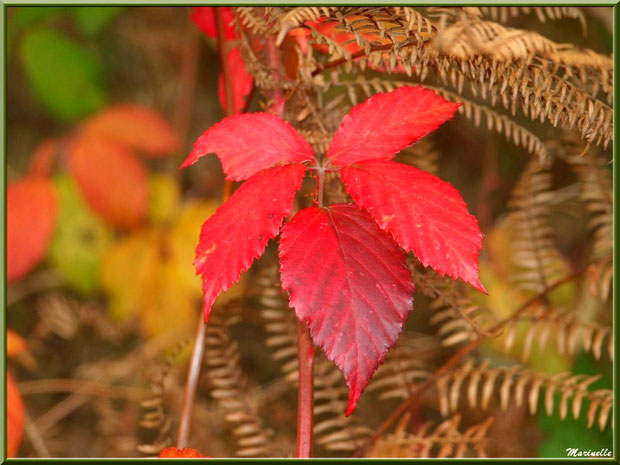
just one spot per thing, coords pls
(343, 266)
(241, 80)
(101, 157)
(185, 453)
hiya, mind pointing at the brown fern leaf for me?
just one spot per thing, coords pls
(480, 384)
(444, 440)
(228, 385)
(332, 429)
(504, 13)
(458, 318)
(569, 333)
(401, 371)
(533, 249)
(154, 416)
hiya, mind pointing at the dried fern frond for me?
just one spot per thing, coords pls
(466, 38)
(504, 13)
(458, 318)
(569, 333)
(332, 429)
(533, 249)
(401, 371)
(279, 321)
(154, 417)
(444, 440)
(228, 384)
(479, 384)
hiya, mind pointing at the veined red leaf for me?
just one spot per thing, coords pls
(241, 82)
(347, 280)
(386, 123)
(250, 142)
(424, 214)
(239, 230)
(140, 128)
(31, 211)
(204, 18)
(14, 417)
(113, 181)
(174, 453)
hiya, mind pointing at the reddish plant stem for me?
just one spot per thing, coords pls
(199, 343)
(305, 350)
(305, 401)
(454, 360)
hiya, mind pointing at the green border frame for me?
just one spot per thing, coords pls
(3, 25)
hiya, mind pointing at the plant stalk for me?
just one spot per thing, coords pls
(305, 401)
(199, 342)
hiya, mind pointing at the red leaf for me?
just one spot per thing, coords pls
(239, 230)
(14, 417)
(185, 453)
(113, 181)
(140, 128)
(204, 18)
(424, 214)
(240, 79)
(347, 280)
(251, 142)
(42, 161)
(386, 123)
(31, 216)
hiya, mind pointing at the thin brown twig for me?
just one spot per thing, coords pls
(454, 360)
(191, 383)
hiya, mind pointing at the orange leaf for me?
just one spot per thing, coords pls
(140, 128)
(113, 181)
(14, 417)
(31, 216)
(42, 161)
(15, 344)
(173, 452)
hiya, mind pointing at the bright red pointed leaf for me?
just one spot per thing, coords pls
(388, 122)
(31, 216)
(347, 280)
(239, 230)
(174, 453)
(140, 128)
(14, 417)
(250, 142)
(424, 214)
(113, 181)
(240, 79)
(204, 18)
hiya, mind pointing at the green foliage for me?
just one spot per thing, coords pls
(570, 433)
(80, 241)
(91, 20)
(66, 77)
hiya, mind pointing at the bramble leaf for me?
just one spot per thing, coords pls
(31, 210)
(174, 453)
(424, 214)
(386, 123)
(347, 280)
(113, 181)
(251, 142)
(204, 18)
(140, 128)
(240, 229)
(241, 82)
